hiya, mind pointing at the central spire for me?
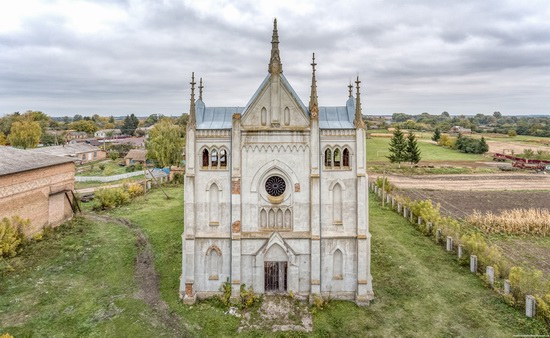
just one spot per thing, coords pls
(192, 113)
(275, 65)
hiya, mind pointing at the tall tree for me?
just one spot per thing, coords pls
(397, 147)
(165, 144)
(84, 125)
(412, 151)
(437, 135)
(3, 140)
(77, 117)
(131, 122)
(25, 134)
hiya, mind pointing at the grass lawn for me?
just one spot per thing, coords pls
(78, 282)
(377, 150)
(92, 168)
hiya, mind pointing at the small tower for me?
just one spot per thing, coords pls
(200, 89)
(358, 122)
(192, 112)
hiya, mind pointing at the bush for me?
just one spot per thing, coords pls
(446, 141)
(102, 167)
(11, 235)
(248, 297)
(384, 182)
(110, 198)
(135, 189)
(130, 168)
(113, 155)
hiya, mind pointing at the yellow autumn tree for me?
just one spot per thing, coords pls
(25, 134)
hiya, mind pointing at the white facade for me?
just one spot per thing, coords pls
(276, 195)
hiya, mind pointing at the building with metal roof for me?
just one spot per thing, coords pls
(276, 194)
(78, 152)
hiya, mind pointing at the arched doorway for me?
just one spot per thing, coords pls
(275, 270)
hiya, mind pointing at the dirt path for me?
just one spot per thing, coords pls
(480, 182)
(147, 277)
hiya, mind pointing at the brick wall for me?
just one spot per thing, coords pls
(38, 195)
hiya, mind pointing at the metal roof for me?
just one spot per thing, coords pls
(14, 160)
(337, 117)
(71, 149)
(215, 117)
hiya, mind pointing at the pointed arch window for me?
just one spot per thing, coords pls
(345, 157)
(287, 116)
(214, 263)
(337, 157)
(223, 158)
(337, 265)
(214, 158)
(214, 204)
(205, 158)
(328, 158)
(264, 116)
(337, 204)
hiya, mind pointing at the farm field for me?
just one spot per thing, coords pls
(91, 283)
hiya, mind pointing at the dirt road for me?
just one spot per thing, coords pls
(479, 182)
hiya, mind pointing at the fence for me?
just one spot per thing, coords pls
(107, 178)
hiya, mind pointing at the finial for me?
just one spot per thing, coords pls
(275, 65)
(358, 123)
(313, 103)
(192, 113)
(350, 87)
(200, 89)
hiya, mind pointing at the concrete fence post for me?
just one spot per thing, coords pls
(430, 227)
(449, 246)
(490, 272)
(438, 235)
(411, 218)
(506, 286)
(388, 198)
(393, 202)
(405, 211)
(460, 251)
(530, 306)
(419, 220)
(399, 207)
(473, 263)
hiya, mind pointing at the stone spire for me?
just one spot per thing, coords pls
(350, 87)
(313, 103)
(192, 113)
(358, 122)
(275, 65)
(200, 89)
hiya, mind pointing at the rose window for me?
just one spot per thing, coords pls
(275, 186)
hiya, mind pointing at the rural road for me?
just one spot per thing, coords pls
(480, 182)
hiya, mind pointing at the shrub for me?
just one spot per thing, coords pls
(110, 198)
(385, 183)
(446, 141)
(102, 167)
(130, 168)
(139, 166)
(11, 235)
(113, 155)
(248, 297)
(515, 221)
(225, 296)
(135, 189)
(6, 335)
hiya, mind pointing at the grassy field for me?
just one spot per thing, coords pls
(92, 168)
(94, 184)
(377, 150)
(80, 282)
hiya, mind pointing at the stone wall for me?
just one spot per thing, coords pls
(38, 195)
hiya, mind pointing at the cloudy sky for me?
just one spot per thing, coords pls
(115, 57)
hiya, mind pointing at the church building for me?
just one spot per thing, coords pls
(276, 194)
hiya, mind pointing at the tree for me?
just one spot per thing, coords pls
(130, 125)
(84, 125)
(77, 117)
(25, 134)
(512, 133)
(497, 114)
(397, 147)
(482, 147)
(412, 153)
(3, 140)
(165, 145)
(445, 114)
(437, 135)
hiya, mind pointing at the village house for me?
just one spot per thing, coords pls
(75, 135)
(107, 133)
(36, 186)
(135, 156)
(79, 152)
(276, 194)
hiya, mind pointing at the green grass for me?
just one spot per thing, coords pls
(420, 291)
(92, 168)
(78, 282)
(377, 150)
(94, 184)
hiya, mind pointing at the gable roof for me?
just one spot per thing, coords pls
(18, 160)
(71, 149)
(214, 117)
(136, 154)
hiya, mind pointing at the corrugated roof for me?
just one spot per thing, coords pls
(338, 117)
(215, 117)
(66, 150)
(14, 160)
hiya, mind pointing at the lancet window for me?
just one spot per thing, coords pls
(337, 158)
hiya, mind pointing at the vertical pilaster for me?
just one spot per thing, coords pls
(236, 205)
(315, 206)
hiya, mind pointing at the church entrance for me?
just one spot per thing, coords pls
(275, 277)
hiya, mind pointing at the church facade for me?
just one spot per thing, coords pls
(276, 195)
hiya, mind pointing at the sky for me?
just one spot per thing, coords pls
(116, 57)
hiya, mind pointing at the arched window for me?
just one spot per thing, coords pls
(288, 219)
(205, 158)
(287, 116)
(279, 218)
(345, 159)
(214, 204)
(223, 158)
(264, 116)
(214, 263)
(337, 204)
(263, 218)
(328, 158)
(214, 157)
(271, 219)
(337, 159)
(338, 265)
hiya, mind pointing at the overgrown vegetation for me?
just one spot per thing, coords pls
(515, 221)
(12, 235)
